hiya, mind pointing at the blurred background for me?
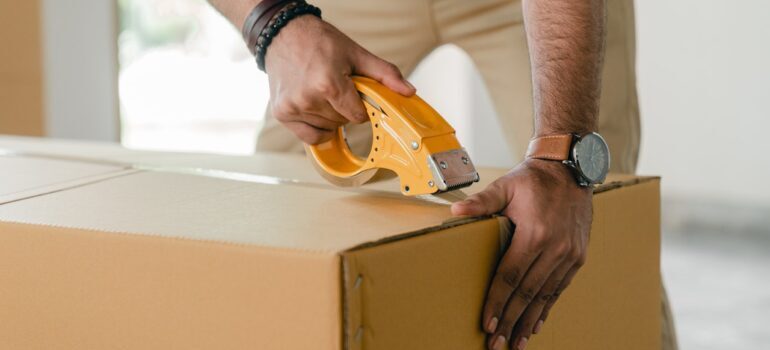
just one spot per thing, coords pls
(175, 75)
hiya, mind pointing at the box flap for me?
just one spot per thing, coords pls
(214, 209)
(224, 198)
(23, 177)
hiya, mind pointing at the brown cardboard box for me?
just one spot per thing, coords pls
(212, 252)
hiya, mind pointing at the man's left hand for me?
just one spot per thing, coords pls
(552, 216)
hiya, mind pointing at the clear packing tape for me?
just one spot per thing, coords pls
(441, 199)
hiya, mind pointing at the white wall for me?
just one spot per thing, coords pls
(704, 86)
(704, 80)
(462, 99)
(80, 69)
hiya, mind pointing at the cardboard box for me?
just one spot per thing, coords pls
(195, 257)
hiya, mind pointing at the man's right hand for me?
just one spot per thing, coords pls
(309, 66)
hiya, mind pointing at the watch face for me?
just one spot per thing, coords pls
(592, 157)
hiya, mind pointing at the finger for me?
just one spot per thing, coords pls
(309, 109)
(326, 111)
(523, 295)
(557, 293)
(528, 323)
(512, 268)
(312, 102)
(308, 133)
(316, 120)
(348, 103)
(491, 200)
(385, 72)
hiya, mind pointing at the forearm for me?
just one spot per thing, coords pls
(566, 44)
(235, 10)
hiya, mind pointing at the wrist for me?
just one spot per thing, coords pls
(586, 155)
(292, 38)
(573, 129)
(558, 123)
(268, 19)
(556, 171)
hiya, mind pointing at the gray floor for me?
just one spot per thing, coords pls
(719, 286)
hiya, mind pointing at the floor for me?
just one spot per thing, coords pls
(719, 286)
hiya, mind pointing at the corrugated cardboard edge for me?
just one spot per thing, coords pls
(618, 184)
(505, 225)
(351, 279)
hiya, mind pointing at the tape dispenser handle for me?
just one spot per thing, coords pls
(335, 157)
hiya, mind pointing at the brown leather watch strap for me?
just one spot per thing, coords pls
(551, 147)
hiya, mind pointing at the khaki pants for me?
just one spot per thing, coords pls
(492, 33)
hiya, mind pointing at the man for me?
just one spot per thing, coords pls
(311, 61)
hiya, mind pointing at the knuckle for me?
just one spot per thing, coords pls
(315, 137)
(546, 297)
(580, 262)
(557, 293)
(327, 88)
(541, 228)
(392, 69)
(282, 110)
(304, 104)
(527, 322)
(580, 257)
(511, 277)
(540, 233)
(526, 294)
(564, 250)
(539, 241)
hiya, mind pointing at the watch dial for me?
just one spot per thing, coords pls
(593, 157)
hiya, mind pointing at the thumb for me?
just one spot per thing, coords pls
(491, 200)
(383, 71)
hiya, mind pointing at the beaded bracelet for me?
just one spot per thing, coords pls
(257, 19)
(288, 13)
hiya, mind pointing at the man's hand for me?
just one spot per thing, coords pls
(309, 65)
(552, 216)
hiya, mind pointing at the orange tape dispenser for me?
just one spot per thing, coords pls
(408, 137)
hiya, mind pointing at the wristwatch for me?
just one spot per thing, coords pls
(587, 155)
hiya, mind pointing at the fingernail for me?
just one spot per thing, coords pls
(492, 325)
(538, 325)
(522, 343)
(499, 343)
(409, 84)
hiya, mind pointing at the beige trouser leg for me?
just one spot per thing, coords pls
(492, 33)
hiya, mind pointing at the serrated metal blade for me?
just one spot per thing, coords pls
(444, 198)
